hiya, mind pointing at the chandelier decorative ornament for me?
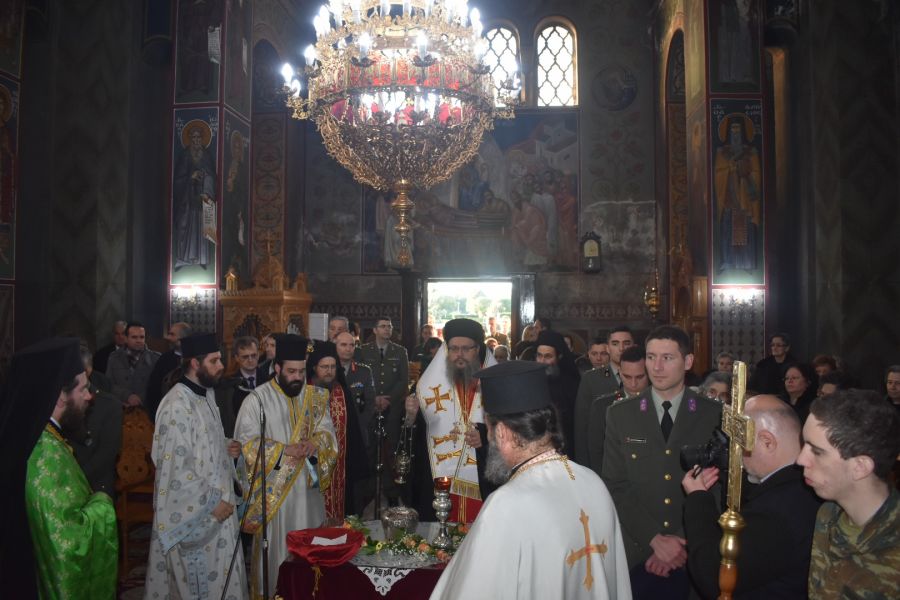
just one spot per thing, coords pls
(400, 93)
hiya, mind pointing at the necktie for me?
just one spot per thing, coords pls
(251, 382)
(666, 424)
(382, 354)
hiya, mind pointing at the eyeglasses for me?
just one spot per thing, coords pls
(777, 345)
(795, 378)
(327, 367)
(460, 349)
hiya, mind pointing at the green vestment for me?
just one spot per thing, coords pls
(73, 529)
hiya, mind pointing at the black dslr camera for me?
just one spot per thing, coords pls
(714, 453)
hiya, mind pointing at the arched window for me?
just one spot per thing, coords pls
(502, 56)
(557, 81)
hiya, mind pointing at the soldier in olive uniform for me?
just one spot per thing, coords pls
(633, 373)
(390, 370)
(597, 383)
(641, 464)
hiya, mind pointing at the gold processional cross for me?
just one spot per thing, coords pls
(740, 430)
(576, 555)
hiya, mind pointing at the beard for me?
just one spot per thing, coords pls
(207, 379)
(73, 422)
(292, 388)
(495, 469)
(552, 371)
(461, 375)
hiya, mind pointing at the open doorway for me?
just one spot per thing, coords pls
(490, 302)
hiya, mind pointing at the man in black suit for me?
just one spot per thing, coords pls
(97, 447)
(768, 376)
(778, 508)
(101, 356)
(168, 362)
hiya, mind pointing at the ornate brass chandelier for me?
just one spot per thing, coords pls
(400, 93)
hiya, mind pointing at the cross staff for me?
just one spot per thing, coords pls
(740, 430)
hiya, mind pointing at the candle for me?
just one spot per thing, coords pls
(441, 484)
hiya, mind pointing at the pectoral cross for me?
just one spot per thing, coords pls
(576, 555)
(740, 430)
(437, 399)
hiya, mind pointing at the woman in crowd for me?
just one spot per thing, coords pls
(801, 384)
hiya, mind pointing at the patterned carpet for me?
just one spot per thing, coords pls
(132, 588)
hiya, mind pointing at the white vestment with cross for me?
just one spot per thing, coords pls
(550, 532)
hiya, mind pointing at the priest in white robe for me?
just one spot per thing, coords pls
(300, 456)
(195, 528)
(549, 531)
(447, 404)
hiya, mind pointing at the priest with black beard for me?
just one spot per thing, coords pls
(450, 435)
(550, 530)
(323, 369)
(59, 537)
(564, 378)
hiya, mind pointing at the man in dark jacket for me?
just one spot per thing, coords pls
(778, 508)
(768, 376)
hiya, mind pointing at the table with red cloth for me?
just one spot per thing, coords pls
(297, 580)
(376, 576)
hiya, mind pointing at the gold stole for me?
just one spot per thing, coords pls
(279, 482)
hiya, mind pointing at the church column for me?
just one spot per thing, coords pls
(210, 190)
(729, 101)
(10, 85)
(410, 307)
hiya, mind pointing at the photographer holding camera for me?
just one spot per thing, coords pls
(641, 464)
(778, 508)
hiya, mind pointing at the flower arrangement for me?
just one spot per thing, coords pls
(410, 544)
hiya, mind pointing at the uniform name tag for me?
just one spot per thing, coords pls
(631, 440)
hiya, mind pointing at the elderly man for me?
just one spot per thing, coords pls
(851, 441)
(641, 468)
(73, 530)
(290, 422)
(597, 383)
(129, 368)
(550, 530)
(336, 325)
(633, 372)
(778, 508)
(447, 403)
(195, 528)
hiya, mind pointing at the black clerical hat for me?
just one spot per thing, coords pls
(464, 328)
(554, 339)
(291, 347)
(321, 350)
(514, 386)
(199, 344)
